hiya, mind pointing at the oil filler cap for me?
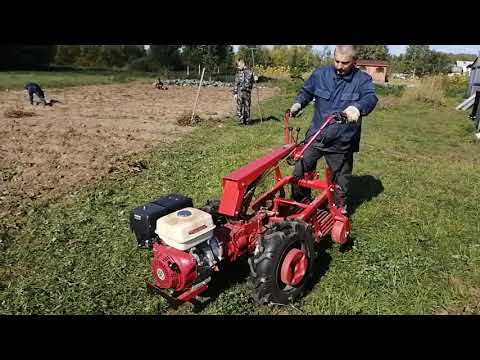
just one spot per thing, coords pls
(184, 213)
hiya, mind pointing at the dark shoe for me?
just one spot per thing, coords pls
(340, 204)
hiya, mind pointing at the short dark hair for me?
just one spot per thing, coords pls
(350, 48)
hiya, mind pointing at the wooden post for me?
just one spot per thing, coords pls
(198, 69)
(198, 93)
(188, 70)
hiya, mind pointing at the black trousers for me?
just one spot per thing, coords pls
(475, 116)
(341, 165)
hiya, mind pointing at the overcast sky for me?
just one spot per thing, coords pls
(399, 49)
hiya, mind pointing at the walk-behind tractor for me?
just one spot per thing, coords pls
(279, 236)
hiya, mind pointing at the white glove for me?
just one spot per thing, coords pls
(235, 96)
(295, 109)
(353, 114)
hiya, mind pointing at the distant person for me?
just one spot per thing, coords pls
(242, 92)
(159, 85)
(35, 89)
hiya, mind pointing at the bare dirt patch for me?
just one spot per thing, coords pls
(82, 138)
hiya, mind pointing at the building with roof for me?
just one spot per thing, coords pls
(377, 69)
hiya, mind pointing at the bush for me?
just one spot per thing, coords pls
(456, 86)
(429, 90)
(274, 72)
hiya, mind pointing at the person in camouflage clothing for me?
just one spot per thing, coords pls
(243, 92)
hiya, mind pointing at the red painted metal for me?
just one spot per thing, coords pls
(322, 224)
(286, 131)
(269, 194)
(294, 267)
(236, 183)
(327, 121)
(311, 208)
(278, 174)
(192, 293)
(280, 201)
(339, 232)
(240, 237)
(314, 184)
(172, 268)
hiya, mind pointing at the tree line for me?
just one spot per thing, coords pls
(417, 60)
(133, 57)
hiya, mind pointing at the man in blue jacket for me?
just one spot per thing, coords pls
(35, 89)
(337, 88)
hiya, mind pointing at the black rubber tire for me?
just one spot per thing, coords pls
(265, 265)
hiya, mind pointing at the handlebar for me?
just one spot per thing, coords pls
(339, 117)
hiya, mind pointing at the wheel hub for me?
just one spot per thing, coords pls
(294, 267)
(340, 232)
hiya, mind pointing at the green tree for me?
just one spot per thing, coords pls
(439, 63)
(373, 52)
(27, 56)
(67, 54)
(111, 56)
(98, 55)
(421, 60)
(417, 58)
(461, 57)
(398, 64)
(245, 53)
(213, 57)
(133, 52)
(280, 55)
(166, 55)
(89, 55)
(191, 55)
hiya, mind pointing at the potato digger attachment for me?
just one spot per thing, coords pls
(278, 236)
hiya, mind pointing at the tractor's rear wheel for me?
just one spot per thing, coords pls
(282, 265)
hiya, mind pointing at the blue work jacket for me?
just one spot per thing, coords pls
(334, 93)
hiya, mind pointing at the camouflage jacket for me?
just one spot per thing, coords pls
(243, 81)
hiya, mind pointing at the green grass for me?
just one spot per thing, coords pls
(416, 247)
(55, 79)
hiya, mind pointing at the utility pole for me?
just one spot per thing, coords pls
(253, 49)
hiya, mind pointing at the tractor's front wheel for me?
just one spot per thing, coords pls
(282, 265)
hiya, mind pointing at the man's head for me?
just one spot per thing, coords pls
(240, 64)
(345, 58)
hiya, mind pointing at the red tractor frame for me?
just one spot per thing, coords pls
(277, 234)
